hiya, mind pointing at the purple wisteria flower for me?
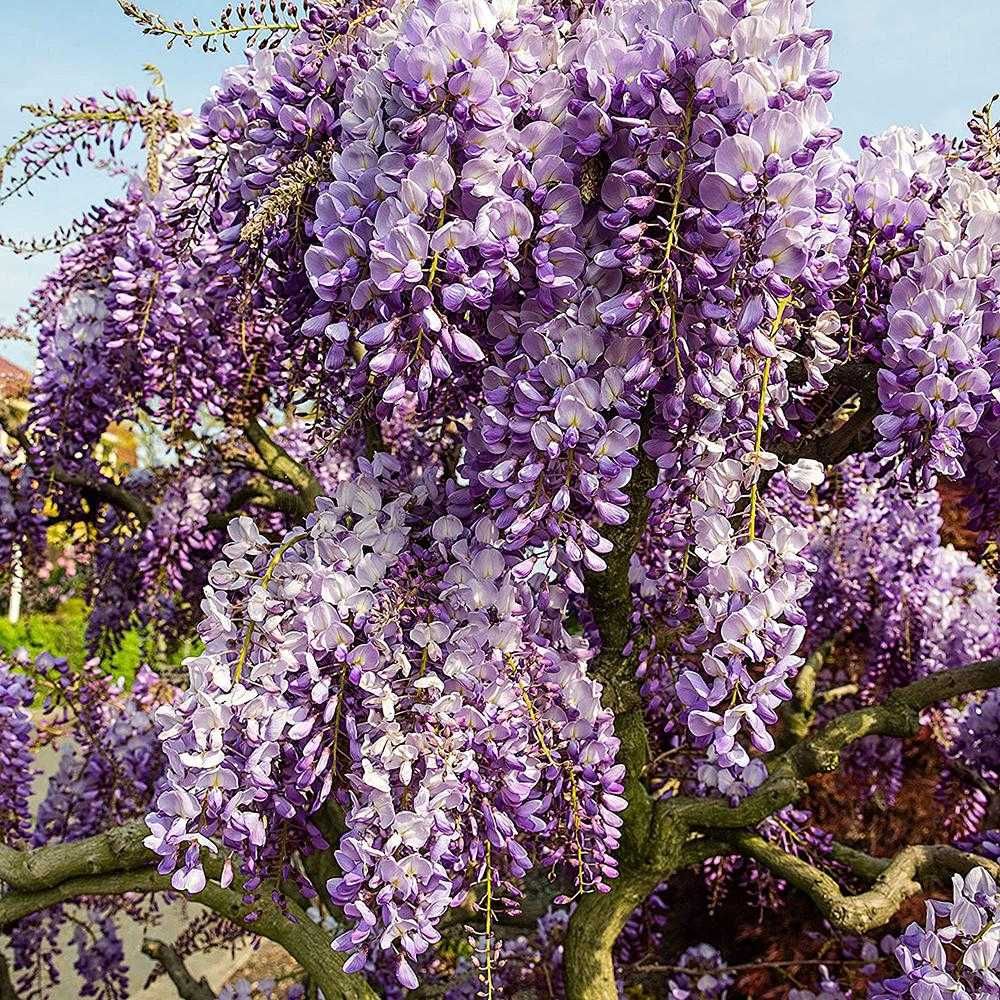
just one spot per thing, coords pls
(16, 756)
(460, 725)
(956, 954)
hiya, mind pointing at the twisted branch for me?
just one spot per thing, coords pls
(106, 491)
(913, 870)
(118, 850)
(898, 715)
(599, 918)
(188, 988)
(116, 863)
(280, 465)
(277, 463)
(669, 845)
(834, 438)
(260, 494)
(100, 489)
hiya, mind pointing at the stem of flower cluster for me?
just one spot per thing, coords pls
(488, 972)
(673, 233)
(436, 259)
(574, 796)
(264, 581)
(761, 410)
(862, 275)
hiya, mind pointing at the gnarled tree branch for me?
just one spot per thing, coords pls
(100, 489)
(118, 850)
(669, 844)
(116, 863)
(846, 437)
(261, 494)
(280, 465)
(105, 491)
(910, 872)
(188, 988)
(898, 715)
(599, 918)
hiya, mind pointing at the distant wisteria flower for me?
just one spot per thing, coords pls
(264, 989)
(708, 977)
(105, 775)
(16, 756)
(827, 989)
(974, 741)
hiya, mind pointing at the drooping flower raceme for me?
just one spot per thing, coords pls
(16, 758)
(419, 684)
(935, 382)
(956, 954)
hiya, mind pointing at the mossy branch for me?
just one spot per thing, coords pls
(280, 465)
(188, 988)
(898, 715)
(913, 870)
(117, 863)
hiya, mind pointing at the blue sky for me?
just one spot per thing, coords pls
(914, 62)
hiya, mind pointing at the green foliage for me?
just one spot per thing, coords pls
(63, 633)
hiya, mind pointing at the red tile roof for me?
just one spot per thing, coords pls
(14, 380)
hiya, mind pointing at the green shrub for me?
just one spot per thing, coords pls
(63, 633)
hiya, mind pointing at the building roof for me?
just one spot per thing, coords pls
(14, 380)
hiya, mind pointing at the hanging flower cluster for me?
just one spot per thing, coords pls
(935, 381)
(16, 757)
(418, 685)
(955, 954)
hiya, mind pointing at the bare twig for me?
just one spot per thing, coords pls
(263, 22)
(100, 489)
(187, 986)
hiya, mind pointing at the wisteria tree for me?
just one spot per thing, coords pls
(582, 476)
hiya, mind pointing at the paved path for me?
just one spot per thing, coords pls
(217, 966)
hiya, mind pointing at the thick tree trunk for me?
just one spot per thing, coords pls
(650, 852)
(597, 921)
